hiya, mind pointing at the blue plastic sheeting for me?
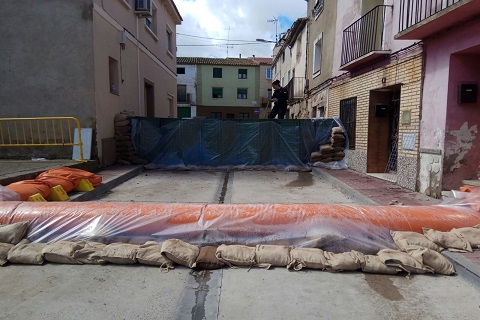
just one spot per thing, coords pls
(195, 144)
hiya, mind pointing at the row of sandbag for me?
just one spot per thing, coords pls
(175, 251)
(334, 151)
(66, 177)
(418, 253)
(125, 151)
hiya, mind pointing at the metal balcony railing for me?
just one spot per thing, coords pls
(415, 11)
(296, 88)
(364, 35)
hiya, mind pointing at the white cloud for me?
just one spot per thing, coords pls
(234, 20)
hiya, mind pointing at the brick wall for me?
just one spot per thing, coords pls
(406, 71)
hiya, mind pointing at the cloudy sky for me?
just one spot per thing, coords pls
(236, 23)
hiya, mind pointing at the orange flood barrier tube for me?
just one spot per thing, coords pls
(335, 227)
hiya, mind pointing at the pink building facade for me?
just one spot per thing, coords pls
(450, 107)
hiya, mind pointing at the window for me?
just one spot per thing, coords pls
(242, 73)
(217, 93)
(268, 73)
(348, 116)
(216, 115)
(181, 93)
(217, 72)
(269, 94)
(169, 41)
(317, 54)
(321, 112)
(151, 22)
(318, 8)
(113, 75)
(244, 115)
(242, 93)
(181, 70)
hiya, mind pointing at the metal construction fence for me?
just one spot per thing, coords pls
(38, 132)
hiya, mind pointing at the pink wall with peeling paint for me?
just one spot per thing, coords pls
(462, 139)
(451, 58)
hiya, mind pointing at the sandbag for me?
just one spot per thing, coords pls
(346, 261)
(180, 252)
(236, 255)
(119, 117)
(402, 260)
(74, 175)
(150, 253)
(337, 139)
(90, 253)
(337, 130)
(310, 258)
(472, 235)
(326, 148)
(272, 255)
(4, 248)
(404, 239)
(432, 259)
(61, 252)
(26, 253)
(27, 188)
(207, 260)
(66, 183)
(373, 264)
(13, 233)
(122, 123)
(120, 253)
(449, 240)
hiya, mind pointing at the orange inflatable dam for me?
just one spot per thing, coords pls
(332, 227)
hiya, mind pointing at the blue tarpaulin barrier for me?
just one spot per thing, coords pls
(229, 144)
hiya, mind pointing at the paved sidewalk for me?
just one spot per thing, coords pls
(373, 190)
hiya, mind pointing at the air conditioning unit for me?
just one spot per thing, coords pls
(143, 7)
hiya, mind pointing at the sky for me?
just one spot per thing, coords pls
(236, 23)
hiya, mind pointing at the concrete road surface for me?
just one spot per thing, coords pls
(139, 292)
(227, 187)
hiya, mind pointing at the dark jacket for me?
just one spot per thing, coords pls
(282, 96)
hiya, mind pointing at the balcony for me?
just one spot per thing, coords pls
(363, 40)
(421, 19)
(296, 88)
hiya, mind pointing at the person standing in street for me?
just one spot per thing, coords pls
(279, 98)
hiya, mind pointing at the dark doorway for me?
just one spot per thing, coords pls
(149, 100)
(384, 110)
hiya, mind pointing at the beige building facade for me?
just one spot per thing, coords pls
(359, 72)
(93, 59)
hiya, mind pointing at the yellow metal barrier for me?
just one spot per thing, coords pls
(36, 132)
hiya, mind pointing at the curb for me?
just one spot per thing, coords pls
(348, 191)
(465, 268)
(107, 185)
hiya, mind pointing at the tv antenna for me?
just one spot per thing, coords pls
(228, 40)
(275, 20)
